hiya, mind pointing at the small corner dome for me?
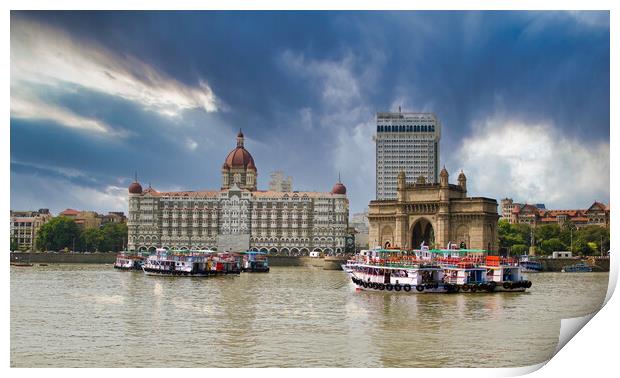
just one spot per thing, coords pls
(135, 188)
(462, 176)
(339, 188)
(444, 172)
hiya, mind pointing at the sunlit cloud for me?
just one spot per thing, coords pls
(36, 109)
(533, 163)
(43, 55)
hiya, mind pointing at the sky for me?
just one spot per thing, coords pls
(523, 98)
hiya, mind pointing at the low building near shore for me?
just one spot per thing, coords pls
(597, 214)
(25, 225)
(88, 219)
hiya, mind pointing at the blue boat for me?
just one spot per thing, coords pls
(577, 268)
(529, 266)
(256, 262)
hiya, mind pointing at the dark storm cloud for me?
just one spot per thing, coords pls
(304, 87)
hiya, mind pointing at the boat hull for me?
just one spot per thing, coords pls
(397, 288)
(134, 268)
(255, 270)
(438, 288)
(161, 273)
(526, 270)
(178, 273)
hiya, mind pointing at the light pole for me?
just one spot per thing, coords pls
(571, 240)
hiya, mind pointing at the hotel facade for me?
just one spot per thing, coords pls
(238, 216)
(409, 143)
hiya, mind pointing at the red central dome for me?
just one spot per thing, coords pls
(135, 188)
(339, 188)
(239, 157)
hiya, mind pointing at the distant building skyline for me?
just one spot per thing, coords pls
(279, 183)
(536, 214)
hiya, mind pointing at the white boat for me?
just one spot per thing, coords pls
(129, 261)
(434, 271)
(421, 279)
(191, 263)
(506, 276)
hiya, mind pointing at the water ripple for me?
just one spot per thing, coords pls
(93, 316)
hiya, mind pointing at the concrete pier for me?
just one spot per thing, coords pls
(65, 258)
(334, 262)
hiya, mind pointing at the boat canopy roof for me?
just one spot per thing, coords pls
(452, 251)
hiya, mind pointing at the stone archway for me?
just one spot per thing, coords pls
(462, 236)
(422, 231)
(387, 236)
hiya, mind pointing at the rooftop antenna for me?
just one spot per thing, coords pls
(399, 108)
(135, 176)
(338, 176)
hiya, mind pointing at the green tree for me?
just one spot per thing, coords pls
(59, 233)
(519, 249)
(547, 232)
(512, 234)
(552, 245)
(594, 236)
(524, 231)
(581, 247)
(114, 236)
(91, 239)
(565, 232)
(14, 245)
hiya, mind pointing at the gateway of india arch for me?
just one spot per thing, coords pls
(434, 214)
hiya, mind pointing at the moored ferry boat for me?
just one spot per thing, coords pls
(505, 274)
(254, 262)
(577, 268)
(434, 271)
(129, 261)
(395, 270)
(529, 266)
(191, 263)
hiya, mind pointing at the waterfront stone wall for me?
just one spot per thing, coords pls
(109, 258)
(556, 265)
(549, 265)
(65, 258)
